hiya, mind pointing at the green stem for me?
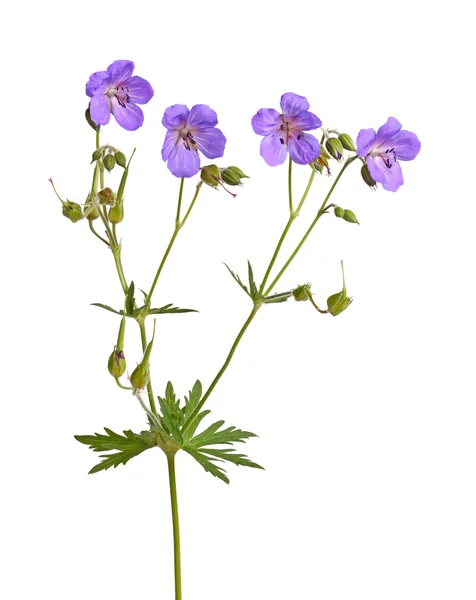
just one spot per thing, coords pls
(290, 186)
(150, 392)
(223, 368)
(311, 227)
(91, 227)
(292, 216)
(176, 526)
(178, 226)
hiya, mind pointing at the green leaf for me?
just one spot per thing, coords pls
(106, 307)
(212, 435)
(275, 298)
(130, 303)
(128, 445)
(170, 309)
(232, 456)
(208, 465)
(238, 280)
(172, 415)
(251, 282)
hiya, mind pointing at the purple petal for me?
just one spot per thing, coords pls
(130, 116)
(406, 145)
(96, 81)
(266, 120)
(306, 121)
(391, 179)
(175, 116)
(100, 109)
(365, 141)
(140, 90)
(183, 162)
(304, 148)
(120, 70)
(387, 131)
(171, 138)
(201, 116)
(272, 150)
(211, 142)
(292, 104)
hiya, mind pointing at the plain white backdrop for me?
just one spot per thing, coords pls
(366, 421)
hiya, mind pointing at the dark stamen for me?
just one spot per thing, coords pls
(281, 140)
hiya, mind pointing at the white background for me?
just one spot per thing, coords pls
(366, 421)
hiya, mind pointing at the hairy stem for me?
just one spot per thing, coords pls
(176, 526)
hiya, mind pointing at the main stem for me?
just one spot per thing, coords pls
(150, 392)
(176, 526)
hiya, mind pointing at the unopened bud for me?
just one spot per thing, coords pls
(367, 177)
(302, 292)
(350, 217)
(120, 159)
(334, 147)
(117, 363)
(72, 211)
(90, 210)
(339, 212)
(337, 303)
(347, 142)
(140, 375)
(90, 121)
(107, 196)
(96, 155)
(116, 213)
(210, 175)
(233, 176)
(109, 162)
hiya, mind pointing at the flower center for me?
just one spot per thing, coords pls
(121, 93)
(388, 156)
(288, 130)
(187, 139)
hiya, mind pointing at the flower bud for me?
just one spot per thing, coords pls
(96, 155)
(117, 363)
(233, 175)
(347, 142)
(334, 147)
(302, 292)
(87, 114)
(140, 375)
(367, 177)
(109, 162)
(339, 212)
(120, 159)
(210, 175)
(72, 211)
(107, 196)
(90, 210)
(116, 213)
(350, 217)
(337, 303)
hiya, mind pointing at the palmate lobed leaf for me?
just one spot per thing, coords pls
(213, 435)
(128, 446)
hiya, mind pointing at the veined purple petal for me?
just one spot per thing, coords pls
(365, 141)
(390, 178)
(130, 116)
(304, 148)
(140, 90)
(100, 109)
(175, 116)
(171, 138)
(406, 145)
(387, 131)
(120, 70)
(211, 142)
(201, 116)
(293, 104)
(265, 121)
(272, 150)
(306, 121)
(183, 162)
(98, 79)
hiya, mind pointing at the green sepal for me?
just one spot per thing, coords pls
(130, 302)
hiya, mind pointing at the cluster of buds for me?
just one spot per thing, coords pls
(214, 176)
(109, 157)
(336, 145)
(346, 214)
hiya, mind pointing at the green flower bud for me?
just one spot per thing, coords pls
(72, 211)
(367, 177)
(337, 303)
(233, 175)
(107, 196)
(120, 159)
(96, 155)
(90, 210)
(347, 142)
(350, 217)
(109, 162)
(116, 213)
(140, 375)
(339, 212)
(117, 363)
(302, 292)
(87, 114)
(334, 147)
(210, 175)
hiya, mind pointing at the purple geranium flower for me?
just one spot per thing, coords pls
(188, 132)
(116, 91)
(284, 131)
(382, 149)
